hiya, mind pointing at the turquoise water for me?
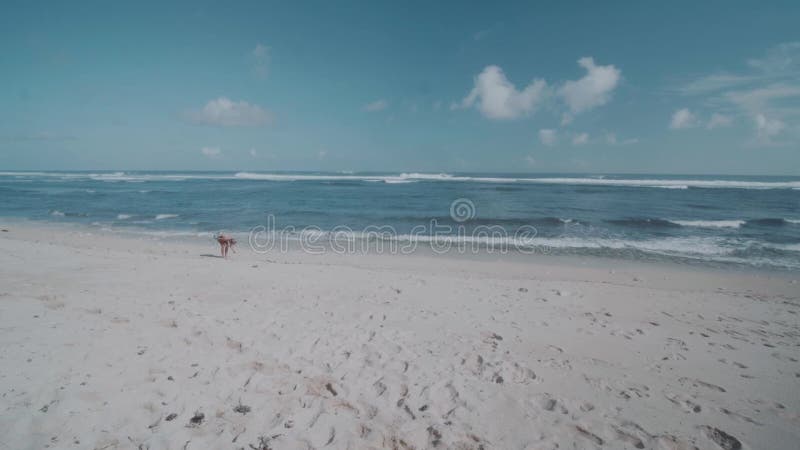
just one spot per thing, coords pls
(751, 221)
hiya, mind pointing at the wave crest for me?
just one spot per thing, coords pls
(710, 223)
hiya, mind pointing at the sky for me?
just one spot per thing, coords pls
(709, 87)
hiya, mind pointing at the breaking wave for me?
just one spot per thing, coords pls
(402, 178)
(710, 223)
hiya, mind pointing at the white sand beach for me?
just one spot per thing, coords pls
(113, 342)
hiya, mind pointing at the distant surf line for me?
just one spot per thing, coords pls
(413, 177)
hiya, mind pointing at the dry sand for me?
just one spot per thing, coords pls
(113, 342)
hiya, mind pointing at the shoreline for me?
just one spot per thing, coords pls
(422, 249)
(115, 342)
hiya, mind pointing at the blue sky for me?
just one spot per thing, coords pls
(684, 87)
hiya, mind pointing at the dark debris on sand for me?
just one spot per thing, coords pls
(330, 389)
(263, 442)
(241, 409)
(197, 419)
(721, 438)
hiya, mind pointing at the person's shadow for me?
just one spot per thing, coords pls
(208, 255)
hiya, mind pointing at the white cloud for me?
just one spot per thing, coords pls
(437, 105)
(497, 98)
(530, 160)
(766, 90)
(260, 57)
(761, 98)
(253, 153)
(771, 107)
(593, 90)
(580, 139)
(322, 154)
(377, 105)
(211, 152)
(226, 113)
(767, 128)
(779, 59)
(718, 120)
(712, 83)
(781, 62)
(685, 118)
(548, 136)
(682, 118)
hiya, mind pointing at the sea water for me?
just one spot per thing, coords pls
(739, 220)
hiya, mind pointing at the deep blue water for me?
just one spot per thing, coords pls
(753, 221)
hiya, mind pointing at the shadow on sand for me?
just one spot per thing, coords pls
(208, 255)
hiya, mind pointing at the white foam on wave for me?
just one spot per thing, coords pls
(590, 181)
(675, 246)
(123, 216)
(171, 233)
(292, 177)
(709, 223)
(399, 181)
(391, 179)
(318, 236)
(110, 176)
(30, 174)
(794, 221)
(165, 216)
(670, 184)
(415, 176)
(139, 177)
(56, 213)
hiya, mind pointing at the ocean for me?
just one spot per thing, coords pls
(713, 220)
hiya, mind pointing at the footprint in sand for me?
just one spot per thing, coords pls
(685, 403)
(700, 383)
(491, 338)
(622, 390)
(632, 433)
(738, 416)
(721, 438)
(498, 372)
(546, 402)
